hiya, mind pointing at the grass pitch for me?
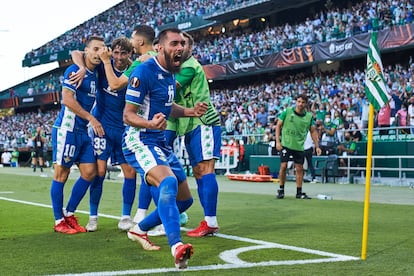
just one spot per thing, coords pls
(258, 234)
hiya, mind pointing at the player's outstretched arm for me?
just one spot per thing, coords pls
(198, 110)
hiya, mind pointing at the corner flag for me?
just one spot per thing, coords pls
(377, 94)
(375, 86)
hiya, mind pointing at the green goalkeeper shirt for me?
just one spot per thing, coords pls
(193, 88)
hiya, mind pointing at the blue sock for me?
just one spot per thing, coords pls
(183, 205)
(155, 194)
(144, 196)
(56, 193)
(95, 194)
(78, 192)
(153, 219)
(128, 195)
(210, 193)
(200, 188)
(167, 209)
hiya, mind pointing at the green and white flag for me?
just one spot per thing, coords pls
(375, 86)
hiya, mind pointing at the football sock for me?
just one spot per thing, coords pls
(144, 196)
(200, 190)
(299, 190)
(167, 209)
(211, 221)
(210, 194)
(128, 195)
(183, 205)
(56, 193)
(95, 194)
(78, 192)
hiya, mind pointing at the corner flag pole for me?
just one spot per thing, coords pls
(367, 182)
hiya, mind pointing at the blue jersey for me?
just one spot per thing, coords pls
(109, 103)
(152, 88)
(85, 95)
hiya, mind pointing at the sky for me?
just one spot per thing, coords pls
(27, 25)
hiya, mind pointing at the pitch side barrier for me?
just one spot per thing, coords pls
(401, 165)
(229, 159)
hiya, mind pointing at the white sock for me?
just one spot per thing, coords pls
(211, 221)
(138, 230)
(175, 247)
(125, 217)
(58, 221)
(93, 217)
(68, 214)
(140, 215)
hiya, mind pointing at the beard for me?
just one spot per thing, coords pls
(169, 62)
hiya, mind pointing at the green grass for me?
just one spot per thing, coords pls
(28, 245)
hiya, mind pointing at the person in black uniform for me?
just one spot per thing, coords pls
(39, 140)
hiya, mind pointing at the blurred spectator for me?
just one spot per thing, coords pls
(411, 114)
(384, 119)
(401, 119)
(348, 147)
(15, 158)
(328, 138)
(6, 158)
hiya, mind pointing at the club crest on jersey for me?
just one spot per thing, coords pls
(134, 82)
(160, 77)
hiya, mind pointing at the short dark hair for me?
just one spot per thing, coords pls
(303, 97)
(94, 37)
(146, 31)
(123, 42)
(189, 37)
(163, 34)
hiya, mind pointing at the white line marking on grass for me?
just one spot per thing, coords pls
(229, 256)
(7, 192)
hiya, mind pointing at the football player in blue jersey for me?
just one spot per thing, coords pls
(141, 39)
(109, 111)
(149, 102)
(70, 141)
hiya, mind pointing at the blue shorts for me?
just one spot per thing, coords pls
(110, 145)
(203, 143)
(149, 153)
(69, 147)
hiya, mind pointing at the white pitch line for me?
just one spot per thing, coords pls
(229, 256)
(7, 192)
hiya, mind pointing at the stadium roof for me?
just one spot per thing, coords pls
(255, 9)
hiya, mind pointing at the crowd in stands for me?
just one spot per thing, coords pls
(16, 130)
(53, 83)
(121, 19)
(332, 23)
(249, 112)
